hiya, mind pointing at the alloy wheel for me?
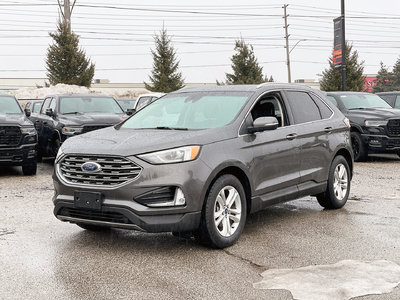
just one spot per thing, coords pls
(341, 182)
(227, 211)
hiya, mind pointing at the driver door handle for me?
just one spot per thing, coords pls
(328, 129)
(291, 136)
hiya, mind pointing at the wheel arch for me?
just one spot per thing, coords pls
(236, 170)
(347, 155)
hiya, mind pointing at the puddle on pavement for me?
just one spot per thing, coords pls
(341, 281)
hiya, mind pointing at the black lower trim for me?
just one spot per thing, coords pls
(125, 218)
(17, 156)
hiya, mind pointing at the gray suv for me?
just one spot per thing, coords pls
(200, 160)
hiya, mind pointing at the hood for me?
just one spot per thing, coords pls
(14, 119)
(126, 142)
(91, 119)
(375, 113)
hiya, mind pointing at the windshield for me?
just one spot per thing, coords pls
(88, 104)
(190, 111)
(8, 105)
(353, 101)
(36, 107)
(126, 104)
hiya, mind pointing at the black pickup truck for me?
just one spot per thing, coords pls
(63, 116)
(18, 138)
(375, 125)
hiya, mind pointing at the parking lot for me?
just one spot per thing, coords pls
(43, 258)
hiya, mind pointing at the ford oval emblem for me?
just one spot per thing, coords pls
(90, 167)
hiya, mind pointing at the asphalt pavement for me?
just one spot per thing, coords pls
(43, 258)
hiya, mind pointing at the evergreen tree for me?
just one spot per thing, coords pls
(165, 76)
(332, 77)
(396, 76)
(66, 63)
(246, 69)
(384, 80)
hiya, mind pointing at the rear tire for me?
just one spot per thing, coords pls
(91, 227)
(224, 213)
(338, 188)
(359, 148)
(29, 169)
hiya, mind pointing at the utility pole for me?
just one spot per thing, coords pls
(287, 41)
(343, 49)
(66, 12)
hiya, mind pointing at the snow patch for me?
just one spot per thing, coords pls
(40, 93)
(341, 281)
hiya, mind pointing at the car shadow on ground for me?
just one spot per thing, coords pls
(383, 158)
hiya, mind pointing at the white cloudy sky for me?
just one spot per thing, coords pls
(118, 35)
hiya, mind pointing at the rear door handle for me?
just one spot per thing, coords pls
(291, 136)
(328, 129)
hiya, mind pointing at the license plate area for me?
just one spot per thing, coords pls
(89, 200)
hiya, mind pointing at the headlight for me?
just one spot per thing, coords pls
(72, 130)
(59, 154)
(171, 156)
(28, 130)
(375, 123)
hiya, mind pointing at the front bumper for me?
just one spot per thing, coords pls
(381, 143)
(121, 210)
(123, 217)
(18, 156)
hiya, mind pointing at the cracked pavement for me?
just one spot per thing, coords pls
(41, 257)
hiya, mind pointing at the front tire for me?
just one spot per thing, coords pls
(224, 213)
(359, 148)
(338, 188)
(29, 169)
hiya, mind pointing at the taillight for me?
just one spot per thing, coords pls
(347, 122)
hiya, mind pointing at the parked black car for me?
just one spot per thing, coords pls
(201, 159)
(375, 125)
(18, 138)
(393, 98)
(63, 116)
(34, 105)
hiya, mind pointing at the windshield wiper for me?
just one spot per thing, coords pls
(73, 113)
(357, 108)
(171, 128)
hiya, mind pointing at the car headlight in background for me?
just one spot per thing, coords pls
(375, 123)
(171, 156)
(71, 130)
(28, 130)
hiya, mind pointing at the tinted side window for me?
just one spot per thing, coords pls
(323, 108)
(397, 103)
(270, 105)
(45, 105)
(332, 100)
(303, 107)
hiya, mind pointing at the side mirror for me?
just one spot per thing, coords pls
(49, 112)
(27, 112)
(263, 124)
(130, 111)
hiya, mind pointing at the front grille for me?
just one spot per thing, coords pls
(93, 215)
(114, 170)
(93, 127)
(10, 135)
(165, 194)
(393, 127)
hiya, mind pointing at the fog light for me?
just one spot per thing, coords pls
(179, 197)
